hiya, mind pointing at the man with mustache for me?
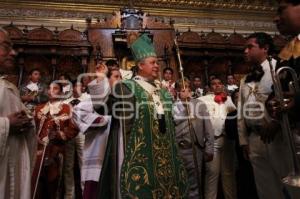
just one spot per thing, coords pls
(259, 135)
(17, 136)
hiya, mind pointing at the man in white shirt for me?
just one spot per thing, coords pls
(231, 84)
(219, 105)
(198, 91)
(269, 156)
(168, 81)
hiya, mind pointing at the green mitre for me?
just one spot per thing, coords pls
(142, 48)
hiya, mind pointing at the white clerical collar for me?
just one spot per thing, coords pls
(155, 83)
(152, 90)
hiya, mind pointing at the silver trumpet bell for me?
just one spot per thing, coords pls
(293, 179)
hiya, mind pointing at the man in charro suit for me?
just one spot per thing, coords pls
(55, 127)
(259, 135)
(222, 166)
(195, 123)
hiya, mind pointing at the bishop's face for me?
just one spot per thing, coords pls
(149, 68)
(7, 54)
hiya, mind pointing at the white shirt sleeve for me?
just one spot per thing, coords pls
(99, 92)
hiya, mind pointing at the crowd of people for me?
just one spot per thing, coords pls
(121, 134)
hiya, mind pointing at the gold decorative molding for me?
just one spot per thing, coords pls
(184, 8)
(177, 4)
(241, 15)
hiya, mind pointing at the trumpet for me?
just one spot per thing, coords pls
(293, 178)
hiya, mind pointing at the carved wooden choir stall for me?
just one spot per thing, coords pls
(74, 52)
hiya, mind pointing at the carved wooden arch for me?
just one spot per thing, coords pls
(13, 31)
(236, 39)
(215, 38)
(42, 34)
(190, 37)
(70, 35)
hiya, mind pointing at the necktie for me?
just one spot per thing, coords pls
(74, 102)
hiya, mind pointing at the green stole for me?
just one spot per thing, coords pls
(151, 166)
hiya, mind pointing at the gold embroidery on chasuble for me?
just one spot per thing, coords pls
(151, 167)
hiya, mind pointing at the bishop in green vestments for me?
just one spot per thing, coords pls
(141, 158)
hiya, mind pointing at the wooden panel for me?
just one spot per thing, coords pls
(40, 34)
(236, 39)
(162, 39)
(42, 63)
(70, 65)
(215, 38)
(190, 37)
(151, 23)
(13, 31)
(70, 35)
(103, 38)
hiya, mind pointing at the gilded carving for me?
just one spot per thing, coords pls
(225, 15)
(237, 4)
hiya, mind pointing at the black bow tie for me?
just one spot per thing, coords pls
(74, 102)
(255, 75)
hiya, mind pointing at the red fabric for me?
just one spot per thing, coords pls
(221, 98)
(90, 190)
(98, 120)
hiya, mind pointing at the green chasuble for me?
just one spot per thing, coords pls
(151, 166)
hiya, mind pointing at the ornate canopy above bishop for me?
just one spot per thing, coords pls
(115, 35)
